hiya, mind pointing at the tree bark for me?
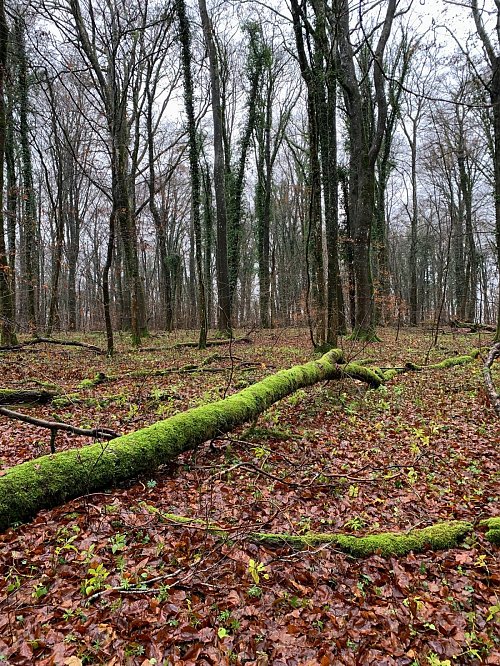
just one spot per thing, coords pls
(7, 304)
(222, 268)
(194, 167)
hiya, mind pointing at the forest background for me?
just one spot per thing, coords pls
(164, 167)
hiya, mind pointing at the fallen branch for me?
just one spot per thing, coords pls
(22, 396)
(440, 536)
(52, 341)
(488, 379)
(214, 343)
(54, 426)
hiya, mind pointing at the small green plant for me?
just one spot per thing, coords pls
(117, 543)
(412, 476)
(95, 579)
(304, 525)
(163, 593)
(493, 611)
(434, 660)
(222, 632)
(14, 584)
(133, 410)
(39, 590)
(356, 523)
(134, 650)
(255, 591)
(353, 490)
(256, 570)
(260, 452)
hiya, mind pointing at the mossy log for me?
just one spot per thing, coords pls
(51, 480)
(22, 396)
(493, 527)
(52, 341)
(435, 537)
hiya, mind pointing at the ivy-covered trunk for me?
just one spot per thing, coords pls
(7, 306)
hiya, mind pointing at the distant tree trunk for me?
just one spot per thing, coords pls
(263, 210)
(413, 231)
(72, 248)
(106, 300)
(7, 304)
(222, 269)
(255, 66)
(314, 236)
(208, 231)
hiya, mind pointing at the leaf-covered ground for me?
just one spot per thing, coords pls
(109, 579)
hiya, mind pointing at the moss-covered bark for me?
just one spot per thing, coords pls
(54, 479)
(493, 526)
(435, 537)
(51, 480)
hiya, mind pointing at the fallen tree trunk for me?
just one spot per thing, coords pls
(214, 343)
(52, 341)
(488, 379)
(21, 396)
(435, 537)
(51, 480)
(473, 327)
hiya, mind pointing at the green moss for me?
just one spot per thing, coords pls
(52, 480)
(451, 362)
(99, 378)
(493, 536)
(435, 537)
(390, 374)
(372, 376)
(493, 533)
(492, 523)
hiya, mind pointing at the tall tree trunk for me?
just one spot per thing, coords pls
(12, 197)
(194, 167)
(7, 304)
(222, 268)
(29, 209)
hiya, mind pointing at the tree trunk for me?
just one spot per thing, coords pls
(222, 269)
(194, 167)
(7, 304)
(31, 236)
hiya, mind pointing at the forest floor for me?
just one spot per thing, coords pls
(333, 458)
